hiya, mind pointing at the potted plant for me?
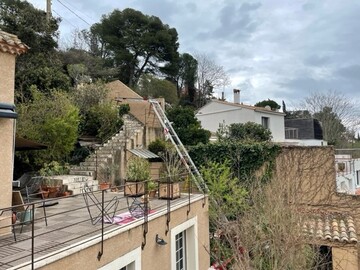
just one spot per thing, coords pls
(104, 176)
(174, 172)
(152, 188)
(137, 172)
(51, 187)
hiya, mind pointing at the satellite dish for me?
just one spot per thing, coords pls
(268, 107)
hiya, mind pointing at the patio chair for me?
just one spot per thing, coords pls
(22, 211)
(94, 207)
(34, 193)
(136, 206)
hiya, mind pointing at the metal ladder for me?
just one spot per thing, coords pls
(180, 148)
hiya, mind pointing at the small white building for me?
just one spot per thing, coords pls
(218, 113)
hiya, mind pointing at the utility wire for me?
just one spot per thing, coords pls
(79, 11)
(73, 12)
(63, 18)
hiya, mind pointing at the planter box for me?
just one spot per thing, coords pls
(169, 190)
(134, 189)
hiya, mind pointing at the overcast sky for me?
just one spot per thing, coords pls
(277, 49)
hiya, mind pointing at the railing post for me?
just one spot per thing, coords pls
(102, 226)
(96, 163)
(32, 235)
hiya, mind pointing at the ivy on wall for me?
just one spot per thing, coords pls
(245, 158)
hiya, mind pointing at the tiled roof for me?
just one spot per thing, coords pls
(119, 90)
(10, 43)
(247, 106)
(331, 227)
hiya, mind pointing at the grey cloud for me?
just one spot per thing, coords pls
(165, 10)
(235, 22)
(250, 6)
(302, 86)
(316, 60)
(191, 7)
(350, 72)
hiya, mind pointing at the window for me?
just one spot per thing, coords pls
(180, 251)
(184, 246)
(291, 133)
(265, 122)
(358, 178)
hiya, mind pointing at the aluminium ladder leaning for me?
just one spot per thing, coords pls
(180, 148)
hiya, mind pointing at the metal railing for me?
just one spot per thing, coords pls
(60, 223)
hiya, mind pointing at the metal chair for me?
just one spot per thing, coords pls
(96, 213)
(34, 193)
(23, 212)
(137, 208)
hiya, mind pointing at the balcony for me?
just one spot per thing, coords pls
(70, 228)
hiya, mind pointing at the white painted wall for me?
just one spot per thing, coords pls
(310, 142)
(215, 113)
(277, 124)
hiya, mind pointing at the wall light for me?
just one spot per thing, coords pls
(160, 241)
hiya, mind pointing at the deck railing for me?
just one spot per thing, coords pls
(69, 224)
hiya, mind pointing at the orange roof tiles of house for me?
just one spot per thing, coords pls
(119, 90)
(10, 43)
(331, 227)
(246, 106)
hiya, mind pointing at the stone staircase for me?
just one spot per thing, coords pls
(94, 167)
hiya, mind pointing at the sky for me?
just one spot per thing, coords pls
(276, 49)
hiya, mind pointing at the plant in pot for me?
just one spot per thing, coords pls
(50, 186)
(137, 173)
(104, 175)
(174, 173)
(152, 187)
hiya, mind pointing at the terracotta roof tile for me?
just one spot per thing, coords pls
(331, 227)
(10, 43)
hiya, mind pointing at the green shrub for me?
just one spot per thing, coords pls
(158, 146)
(54, 168)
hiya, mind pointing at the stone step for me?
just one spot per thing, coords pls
(69, 179)
(113, 145)
(88, 168)
(100, 154)
(90, 163)
(76, 188)
(104, 151)
(97, 159)
(79, 171)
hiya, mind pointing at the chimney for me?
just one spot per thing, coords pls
(237, 96)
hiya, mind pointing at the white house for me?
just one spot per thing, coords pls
(217, 113)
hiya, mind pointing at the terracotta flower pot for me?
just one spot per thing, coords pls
(152, 193)
(104, 185)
